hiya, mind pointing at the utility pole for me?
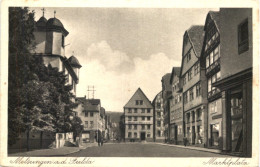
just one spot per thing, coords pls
(91, 89)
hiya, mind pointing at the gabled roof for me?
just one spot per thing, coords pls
(139, 95)
(166, 81)
(89, 104)
(94, 101)
(175, 71)
(214, 15)
(195, 34)
(156, 97)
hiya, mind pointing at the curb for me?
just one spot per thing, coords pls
(191, 148)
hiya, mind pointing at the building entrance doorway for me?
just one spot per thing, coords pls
(176, 134)
(236, 111)
(193, 135)
(142, 136)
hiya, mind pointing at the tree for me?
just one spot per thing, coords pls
(35, 106)
(21, 27)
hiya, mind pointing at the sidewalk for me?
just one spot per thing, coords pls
(54, 152)
(192, 148)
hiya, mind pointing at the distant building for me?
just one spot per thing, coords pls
(176, 109)
(89, 110)
(236, 79)
(194, 87)
(158, 118)
(138, 113)
(166, 95)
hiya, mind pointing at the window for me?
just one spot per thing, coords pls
(158, 114)
(184, 79)
(212, 57)
(159, 133)
(139, 102)
(91, 124)
(243, 43)
(188, 56)
(143, 110)
(135, 118)
(190, 74)
(135, 110)
(148, 135)
(207, 61)
(129, 134)
(148, 118)
(191, 94)
(158, 123)
(129, 126)
(193, 116)
(135, 135)
(62, 41)
(198, 89)
(148, 127)
(196, 68)
(86, 114)
(216, 53)
(209, 85)
(143, 118)
(218, 76)
(91, 114)
(180, 130)
(135, 127)
(148, 110)
(212, 80)
(188, 118)
(143, 127)
(199, 115)
(129, 118)
(129, 110)
(86, 124)
(185, 98)
(158, 105)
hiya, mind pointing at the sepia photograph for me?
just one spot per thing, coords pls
(130, 82)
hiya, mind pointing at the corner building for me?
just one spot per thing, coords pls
(194, 88)
(236, 81)
(138, 116)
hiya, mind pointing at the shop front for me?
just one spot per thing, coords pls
(237, 113)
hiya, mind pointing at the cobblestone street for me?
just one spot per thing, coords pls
(141, 150)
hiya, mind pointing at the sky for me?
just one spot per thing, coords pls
(122, 49)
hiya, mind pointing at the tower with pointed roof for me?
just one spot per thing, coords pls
(50, 44)
(138, 116)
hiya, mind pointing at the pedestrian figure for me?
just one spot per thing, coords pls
(185, 140)
(101, 141)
